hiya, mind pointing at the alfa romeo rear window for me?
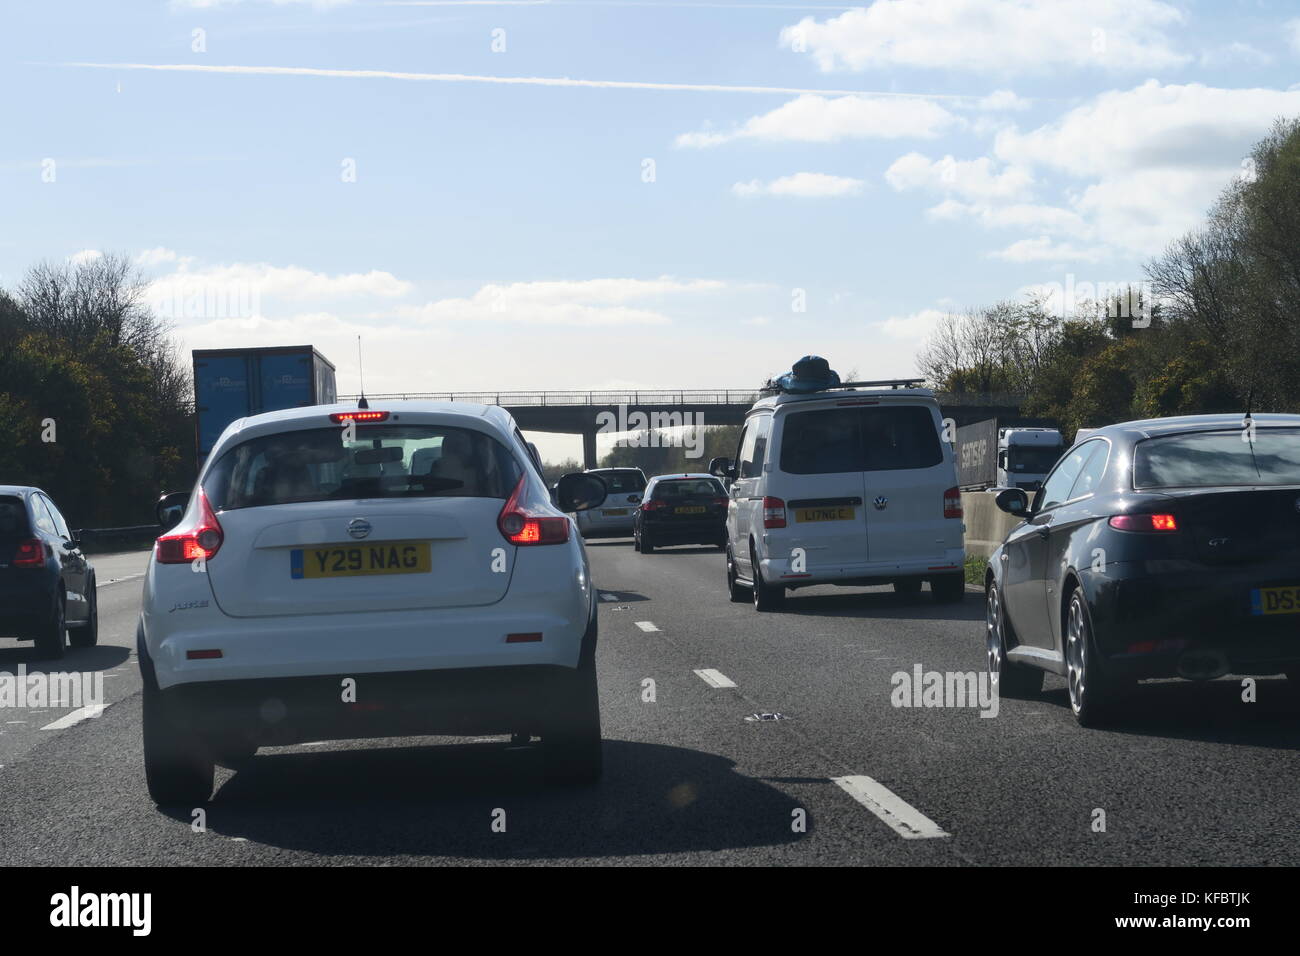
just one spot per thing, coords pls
(1207, 459)
(384, 461)
(13, 517)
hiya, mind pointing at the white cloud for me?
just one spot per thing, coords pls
(1044, 249)
(914, 327)
(805, 185)
(1292, 30)
(586, 302)
(818, 119)
(292, 283)
(1001, 101)
(971, 179)
(993, 36)
(84, 256)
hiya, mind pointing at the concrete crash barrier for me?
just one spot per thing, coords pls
(986, 524)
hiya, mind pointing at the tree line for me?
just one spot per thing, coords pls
(1212, 328)
(95, 400)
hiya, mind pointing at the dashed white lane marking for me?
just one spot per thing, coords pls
(646, 626)
(714, 678)
(77, 716)
(907, 821)
(129, 577)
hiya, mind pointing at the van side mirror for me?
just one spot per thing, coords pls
(580, 492)
(722, 468)
(1014, 501)
(171, 508)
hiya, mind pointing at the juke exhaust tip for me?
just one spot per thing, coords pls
(1202, 665)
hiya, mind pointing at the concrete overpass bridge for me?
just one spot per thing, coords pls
(584, 412)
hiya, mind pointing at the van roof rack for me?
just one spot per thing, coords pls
(771, 387)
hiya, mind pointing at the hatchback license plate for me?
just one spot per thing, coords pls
(385, 557)
(690, 510)
(1275, 600)
(614, 512)
(824, 514)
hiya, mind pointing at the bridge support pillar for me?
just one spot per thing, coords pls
(589, 449)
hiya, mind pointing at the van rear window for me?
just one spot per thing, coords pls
(883, 438)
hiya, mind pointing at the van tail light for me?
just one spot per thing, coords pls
(773, 512)
(952, 503)
(520, 526)
(30, 554)
(200, 538)
(1154, 522)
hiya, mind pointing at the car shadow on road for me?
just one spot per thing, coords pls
(1209, 712)
(880, 603)
(102, 657)
(442, 800)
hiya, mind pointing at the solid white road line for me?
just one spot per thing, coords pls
(646, 626)
(129, 577)
(714, 678)
(907, 821)
(76, 717)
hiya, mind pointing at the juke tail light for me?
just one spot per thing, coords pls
(200, 538)
(521, 527)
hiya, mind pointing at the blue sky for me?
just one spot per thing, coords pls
(509, 235)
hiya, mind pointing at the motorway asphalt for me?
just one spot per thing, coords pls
(1191, 775)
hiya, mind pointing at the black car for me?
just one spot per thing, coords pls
(681, 509)
(1155, 549)
(47, 587)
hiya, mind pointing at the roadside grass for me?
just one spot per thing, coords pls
(976, 566)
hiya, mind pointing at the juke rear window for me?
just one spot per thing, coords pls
(384, 461)
(882, 438)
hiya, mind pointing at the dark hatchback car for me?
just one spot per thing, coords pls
(47, 587)
(681, 509)
(1155, 549)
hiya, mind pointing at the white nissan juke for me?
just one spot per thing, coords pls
(341, 572)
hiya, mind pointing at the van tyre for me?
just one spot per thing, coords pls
(51, 637)
(177, 766)
(1013, 681)
(571, 749)
(735, 591)
(948, 589)
(88, 634)
(766, 598)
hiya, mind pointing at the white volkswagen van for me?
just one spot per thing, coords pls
(849, 486)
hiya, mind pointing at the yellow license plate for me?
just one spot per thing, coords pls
(1275, 600)
(845, 513)
(614, 512)
(382, 557)
(690, 510)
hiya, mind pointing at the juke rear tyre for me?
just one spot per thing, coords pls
(571, 746)
(178, 768)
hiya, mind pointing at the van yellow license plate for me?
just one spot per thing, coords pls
(844, 513)
(1275, 600)
(382, 557)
